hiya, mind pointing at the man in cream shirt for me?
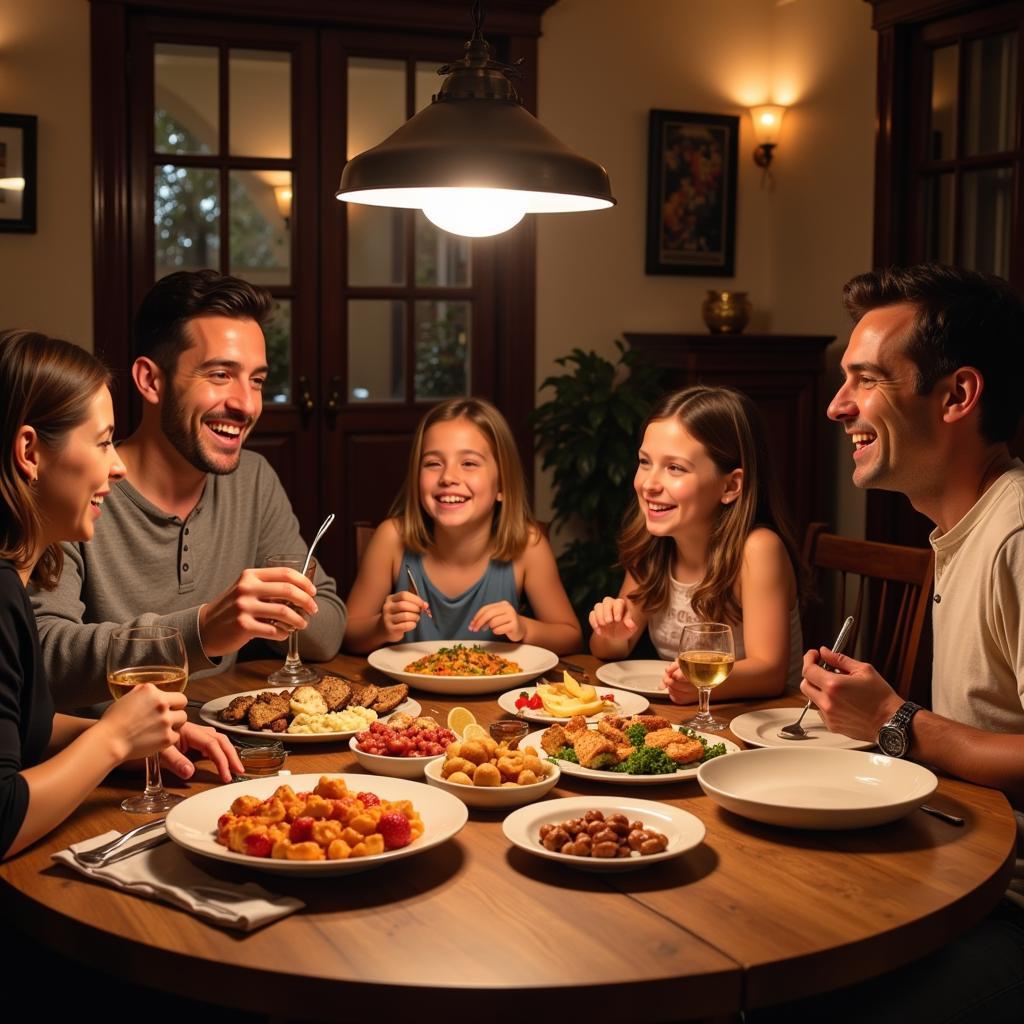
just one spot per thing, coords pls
(933, 394)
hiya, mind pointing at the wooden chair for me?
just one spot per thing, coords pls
(886, 587)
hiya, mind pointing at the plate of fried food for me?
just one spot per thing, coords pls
(462, 667)
(559, 702)
(642, 750)
(591, 834)
(333, 709)
(316, 824)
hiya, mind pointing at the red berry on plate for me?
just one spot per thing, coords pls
(369, 799)
(258, 844)
(395, 829)
(301, 830)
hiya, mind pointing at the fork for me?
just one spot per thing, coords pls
(795, 731)
(110, 853)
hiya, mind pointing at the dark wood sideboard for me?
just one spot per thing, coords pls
(784, 374)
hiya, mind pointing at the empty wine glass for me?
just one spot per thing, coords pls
(706, 656)
(155, 655)
(293, 672)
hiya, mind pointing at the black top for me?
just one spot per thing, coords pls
(26, 707)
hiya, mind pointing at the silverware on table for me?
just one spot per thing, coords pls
(571, 666)
(115, 850)
(950, 819)
(795, 731)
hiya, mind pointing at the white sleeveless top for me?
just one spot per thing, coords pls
(666, 627)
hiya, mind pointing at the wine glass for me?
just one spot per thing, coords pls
(293, 672)
(706, 656)
(147, 654)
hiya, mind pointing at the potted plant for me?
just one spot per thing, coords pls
(588, 434)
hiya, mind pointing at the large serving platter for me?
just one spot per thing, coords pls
(192, 824)
(619, 778)
(761, 729)
(683, 830)
(639, 676)
(817, 789)
(210, 714)
(392, 661)
(626, 704)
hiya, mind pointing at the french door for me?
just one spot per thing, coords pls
(229, 151)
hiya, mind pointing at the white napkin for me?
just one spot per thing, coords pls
(165, 873)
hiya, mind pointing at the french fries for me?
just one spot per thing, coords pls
(569, 698)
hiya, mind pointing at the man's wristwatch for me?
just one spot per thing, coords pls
(894, 736)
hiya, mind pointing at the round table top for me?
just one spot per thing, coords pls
(753, 916)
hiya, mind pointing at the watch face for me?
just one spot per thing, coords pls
(892, 742)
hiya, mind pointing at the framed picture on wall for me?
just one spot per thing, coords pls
(691, 193)
(17, 172)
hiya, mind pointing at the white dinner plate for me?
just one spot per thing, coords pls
(817, 789)
(192, 824)
(392, 661)
(761, 729)
(626, 704)
(638, 676)
(210, 714)
(620, 778)
(682, 829)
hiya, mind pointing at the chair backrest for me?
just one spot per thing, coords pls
(886, 587)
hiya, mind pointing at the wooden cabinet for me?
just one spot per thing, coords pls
(783, 373)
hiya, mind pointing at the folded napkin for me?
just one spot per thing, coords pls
(165, 873)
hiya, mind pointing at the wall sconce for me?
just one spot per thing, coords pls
(283, 198)
(767, 124)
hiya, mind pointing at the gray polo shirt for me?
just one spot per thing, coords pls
(145, 567)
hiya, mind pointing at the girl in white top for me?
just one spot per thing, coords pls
(708, 540)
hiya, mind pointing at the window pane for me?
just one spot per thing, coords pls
(987, 204)
(442, 349)
(442, 259)
(278, 332)
(260, 103)
(939, 218)
(376, 101)
(991, 94)
(186, 217)
(376, 350)
(260, 211)
(942, 129)
(376, 245)
(185, 99)
(428, 82)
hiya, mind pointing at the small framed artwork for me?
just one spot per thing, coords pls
(691, 193)
(17, 173)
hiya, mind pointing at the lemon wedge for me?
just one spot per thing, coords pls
(459, 719)
(474, 731)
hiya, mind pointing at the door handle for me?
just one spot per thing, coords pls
(333, 405)
(305, 403)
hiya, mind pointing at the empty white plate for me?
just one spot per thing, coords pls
(817, 789)
(761, 729)
(638, 676)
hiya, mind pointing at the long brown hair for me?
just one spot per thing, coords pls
(513, 525)
(730, 427)
(49, 385)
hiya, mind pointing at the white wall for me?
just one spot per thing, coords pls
(604, 64)
(46, 278)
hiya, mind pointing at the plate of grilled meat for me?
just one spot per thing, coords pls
(640, 750)
(328, 711)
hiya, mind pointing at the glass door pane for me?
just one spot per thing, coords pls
(942, 122)
(260, 237)
(186, 219)
(186, 99)
(991, 94)
(985, 215)
(376, 350)
(939, 218)
(442, 349)
(260, 103)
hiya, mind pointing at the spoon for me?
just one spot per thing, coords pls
(316, 540)
(795, 731)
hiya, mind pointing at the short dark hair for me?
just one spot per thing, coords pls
(178, 298)
(964, 318)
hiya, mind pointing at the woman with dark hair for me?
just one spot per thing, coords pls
(57, 463)
(707, 539)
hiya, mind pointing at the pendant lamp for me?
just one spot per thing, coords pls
(475, 161)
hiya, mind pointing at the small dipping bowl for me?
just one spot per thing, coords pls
(509, 731)
(262, 760)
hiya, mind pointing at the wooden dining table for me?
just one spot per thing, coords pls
(755, 915)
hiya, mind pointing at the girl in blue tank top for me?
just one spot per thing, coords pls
(461, 548)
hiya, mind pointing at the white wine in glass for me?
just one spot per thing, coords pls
(706, 657)
(155, 655)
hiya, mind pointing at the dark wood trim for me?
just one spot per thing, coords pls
(888, 13)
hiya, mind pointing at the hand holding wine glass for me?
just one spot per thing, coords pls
(706, 657)
(153, 655)
(293, 672)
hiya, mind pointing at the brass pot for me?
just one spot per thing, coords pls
(726, 312)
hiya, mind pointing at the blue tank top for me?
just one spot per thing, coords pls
(452, 615)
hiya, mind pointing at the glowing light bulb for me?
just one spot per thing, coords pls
(476, 212)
